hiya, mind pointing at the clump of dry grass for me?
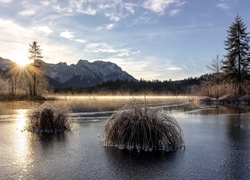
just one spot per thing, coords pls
(143, 129)
(49, 119)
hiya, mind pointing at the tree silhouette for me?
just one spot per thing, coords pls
(236, 65)
(36, 57)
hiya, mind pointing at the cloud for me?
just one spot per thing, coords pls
(27, 12)
(106, 26)
(66, 34)
(116, 10)
(89, 10)
(226, 4)
(80, 40)
(106, 48)
(159, 6)
(30, 9)
(45, 3)
(12, 32)
(223, 4)
(75, 7)
(70, 35)
(142, 19)
(174, 12)
(15, 39)
(174, 68)
(127, 52)
(130, 7)
(44, 29)
(136, 68)
(99, 47)
(6, 1)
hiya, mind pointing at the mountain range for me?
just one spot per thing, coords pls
(81, 74)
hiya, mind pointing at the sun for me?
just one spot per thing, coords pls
(22, 63)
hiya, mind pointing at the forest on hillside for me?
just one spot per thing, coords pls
(180, 87)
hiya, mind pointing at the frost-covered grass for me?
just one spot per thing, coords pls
(49, 119)
(134, 127)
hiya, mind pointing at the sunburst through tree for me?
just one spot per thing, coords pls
(26, 80)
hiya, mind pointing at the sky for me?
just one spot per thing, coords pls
(150, 39)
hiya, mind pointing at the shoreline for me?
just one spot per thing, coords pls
(24, 98)
(242, 100)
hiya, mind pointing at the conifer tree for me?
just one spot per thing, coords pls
(236, 66)
(36, 57)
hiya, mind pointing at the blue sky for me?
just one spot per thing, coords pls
(150, 39)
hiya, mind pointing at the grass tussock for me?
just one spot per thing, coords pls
(134, 127)
(49, 119)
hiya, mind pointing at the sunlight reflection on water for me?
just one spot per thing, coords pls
(21, 118)
(22, 149)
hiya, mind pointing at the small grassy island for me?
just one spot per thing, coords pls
(143, 129)
(49, 119)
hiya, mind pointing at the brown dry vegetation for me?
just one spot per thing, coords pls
(224, 93)
(134, 127)
(49, 119)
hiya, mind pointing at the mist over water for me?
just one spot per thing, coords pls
(216, 138)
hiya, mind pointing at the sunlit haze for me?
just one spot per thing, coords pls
(22, 62)
(150, 39)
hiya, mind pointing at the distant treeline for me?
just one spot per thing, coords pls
(186, 86)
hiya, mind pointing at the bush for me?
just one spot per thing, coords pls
(49, 119)
(143, 129)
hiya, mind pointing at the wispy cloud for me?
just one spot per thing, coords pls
(226, 4)
(106, 48)
(174, 12)
(117, 10)
(72, 7)
(114, 9)
(223, 5)
(106, 26)
(99, 47)
(89, 10)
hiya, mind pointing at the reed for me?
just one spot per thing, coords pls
(134, 127)
(49, 119)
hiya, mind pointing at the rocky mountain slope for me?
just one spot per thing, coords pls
(82, 74)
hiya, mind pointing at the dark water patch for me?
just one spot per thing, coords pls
(145, 165)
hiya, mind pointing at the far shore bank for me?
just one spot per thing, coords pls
(24, 98)
(226, 100)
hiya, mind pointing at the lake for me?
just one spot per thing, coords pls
(217, 140)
